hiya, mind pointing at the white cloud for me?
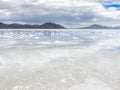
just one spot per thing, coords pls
(63, 11)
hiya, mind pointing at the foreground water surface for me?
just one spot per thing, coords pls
(59, 59)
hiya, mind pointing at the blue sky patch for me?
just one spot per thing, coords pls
(111, 5)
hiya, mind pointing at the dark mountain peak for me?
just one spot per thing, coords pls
(50, 25)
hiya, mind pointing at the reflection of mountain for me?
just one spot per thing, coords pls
(27, 26)
(96, 26)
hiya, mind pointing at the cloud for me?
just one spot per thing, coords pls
(68, 12)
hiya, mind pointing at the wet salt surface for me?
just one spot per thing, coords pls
(62, 66)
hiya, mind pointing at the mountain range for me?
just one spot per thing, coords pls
(50, 25)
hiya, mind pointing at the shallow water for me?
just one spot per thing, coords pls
(59, 60)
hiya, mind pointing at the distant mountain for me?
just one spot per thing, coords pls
(2, 25)
(96, 26)
(48, 25)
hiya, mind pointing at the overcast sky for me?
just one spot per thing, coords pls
(70, 13)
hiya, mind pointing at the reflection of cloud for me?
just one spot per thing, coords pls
(63, 11)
